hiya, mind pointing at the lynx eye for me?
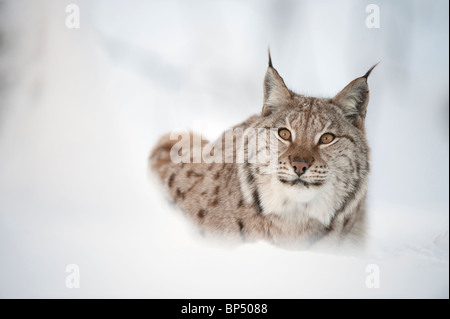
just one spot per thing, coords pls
(326, 138)
(284, 133)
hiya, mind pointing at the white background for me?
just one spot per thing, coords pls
(81, 108)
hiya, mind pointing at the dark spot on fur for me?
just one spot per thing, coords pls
(217, 175)
(216, 190)
(203, 193)
(241, 228)
(215, 202)
(191, 173)
(346, 221)
(201, 213)
(170, 182)
(250, 178)
(257, 201)
(229, 177)
(241, 225)
(179, 194)
(241, 203)
(358, 168)
(318, 183)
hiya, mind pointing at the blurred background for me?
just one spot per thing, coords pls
(81, 107)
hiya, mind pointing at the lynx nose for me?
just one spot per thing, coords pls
(300, 165)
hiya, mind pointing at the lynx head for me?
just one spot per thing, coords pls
(322, 150)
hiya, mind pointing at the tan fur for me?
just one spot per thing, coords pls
(324, 207)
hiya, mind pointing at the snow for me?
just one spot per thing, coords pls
(81, 108)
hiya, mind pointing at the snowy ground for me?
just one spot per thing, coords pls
(80, 109)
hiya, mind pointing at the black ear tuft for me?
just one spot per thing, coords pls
(353, 100)
(366, 76)
(270, 58)
(275, 91)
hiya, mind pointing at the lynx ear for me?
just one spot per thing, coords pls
(353, 100)
(275, 91)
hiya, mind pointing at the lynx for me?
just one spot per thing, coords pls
(314, 196)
